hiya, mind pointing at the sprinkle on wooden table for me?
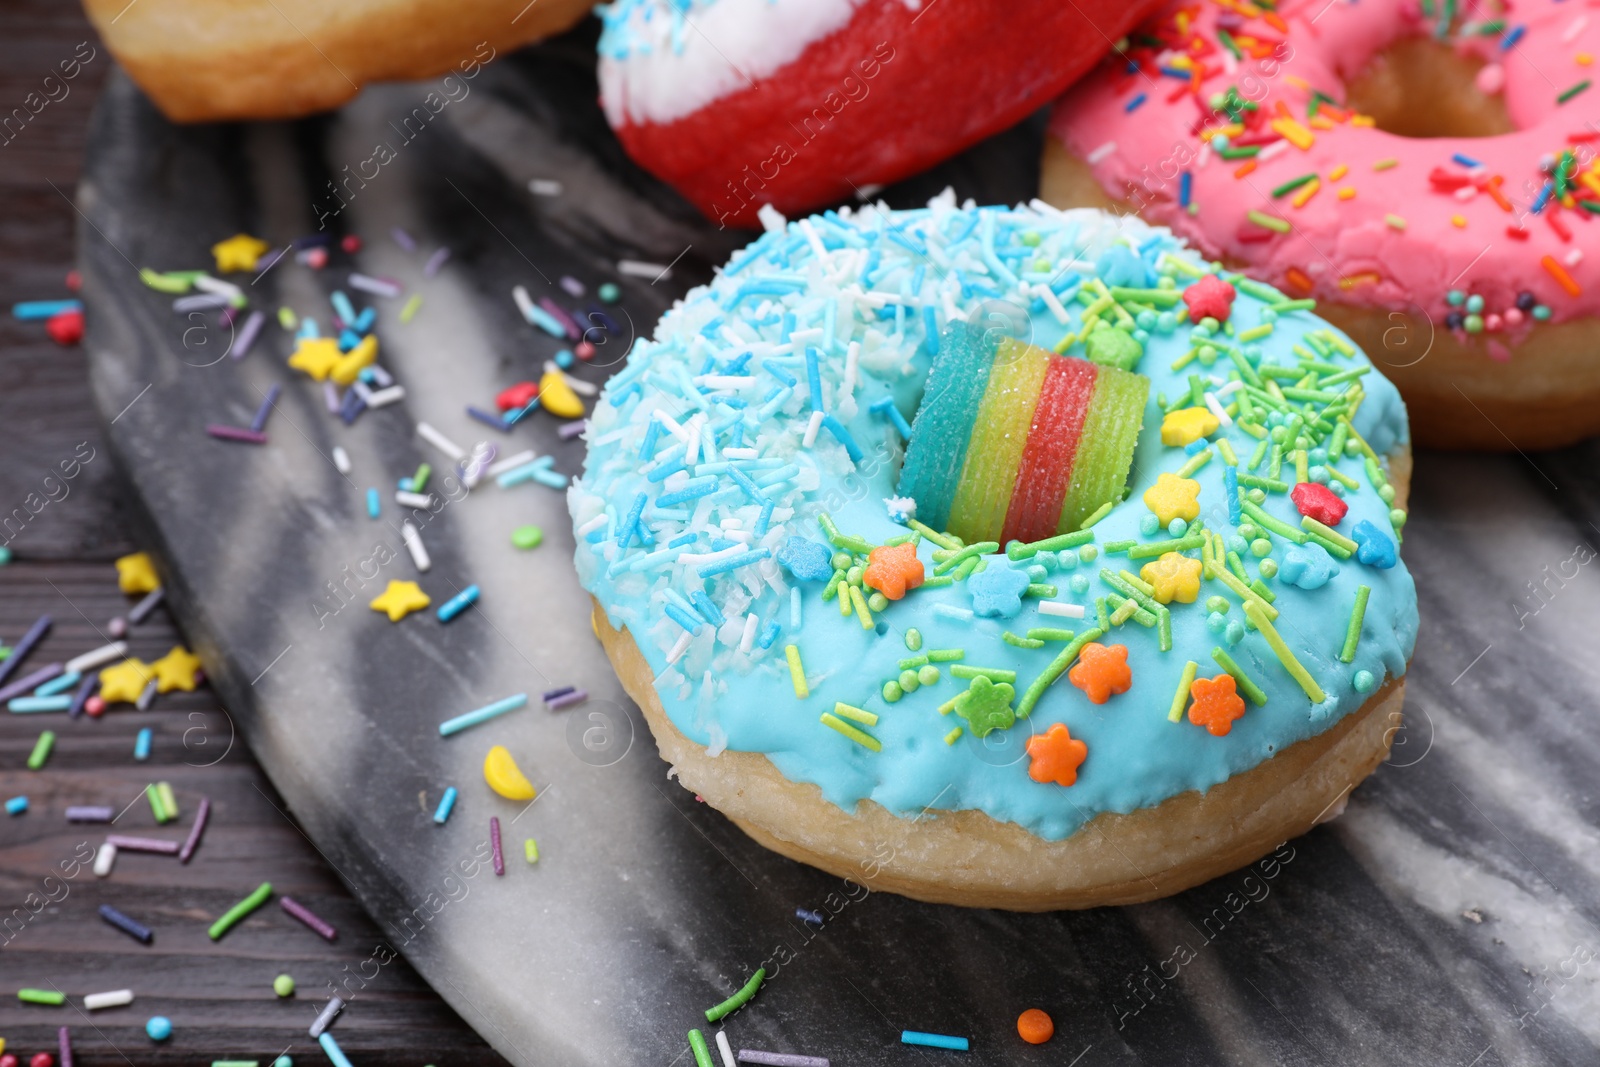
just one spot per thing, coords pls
(780, 1059)
(41, 996)
(331, 1049)
(129, 843)
(307, 916)
(115, 998)
(41, 750)
(192, 842)
(232, 916)
(324, 1018)
(128, 925)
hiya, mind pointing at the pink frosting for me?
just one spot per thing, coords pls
(1327, 43)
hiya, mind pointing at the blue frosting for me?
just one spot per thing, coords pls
(711, 449)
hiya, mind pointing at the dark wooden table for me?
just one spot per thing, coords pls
(218, 994)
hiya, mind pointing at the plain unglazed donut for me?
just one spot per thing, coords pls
(747, 461)
(1443, 248)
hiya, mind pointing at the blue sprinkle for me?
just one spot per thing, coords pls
(364, 320)
(711, 570)
(651, 432)
(631, 523)
(930, 330)
(342, 306)
(348, 339)
(458, 603)
(373, 503)
(446, 803)
(141, 744)
(707, 610)
(742, 480)
(1133, 105)
(764, 520)
(1230, 483)
(1543, 197)
(1197, 446)
(32, 310)
(814, 378)
(914, 1037)
(1466, 160)
(842, 435)
(16, 805)
(694, 490)
(794, 608)
(770, 634)
(886, 408)
(1513, 35)
(1185, 188)
(683, 618)
(1376, 548)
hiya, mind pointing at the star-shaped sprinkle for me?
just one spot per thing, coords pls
(1216, 704)
(399, 600)
(1056, 756)
(1376, 548)
(124, 682)
(1173, 497)
(1185, 426)
(893, 569)
(317, 356)
(137, 574)
(239, 252)
(997, 591)
(1174, 576)
(176, 670)
(1209, 298)
(807, 560)
(1318, 502)
(1308, 566)
(1102, 672)
(986, 705)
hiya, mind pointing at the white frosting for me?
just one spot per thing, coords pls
(675, 62)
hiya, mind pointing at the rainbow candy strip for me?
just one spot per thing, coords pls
(1014, 443)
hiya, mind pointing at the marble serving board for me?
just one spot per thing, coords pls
(1448, 917)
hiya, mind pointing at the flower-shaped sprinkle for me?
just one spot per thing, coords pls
(892, 569)
(1173, 497)
(1056, 756)
(1101, 671)
(1185, 426)
(1174, 576)
(1209, 298)
(1376, 548)
(1308, 566)
(807, 560)
(986, 705)
(997, 591)
(1318, 502)
(1216, 704)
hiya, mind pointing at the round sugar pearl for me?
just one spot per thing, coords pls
(1148, 525)
(1234, 633)
(609, 293)
(1216, 622)
(1088, 554)
(1080, 584)
(283, 985)
(892, 692)
(877, 602)
(1177, 527)
(913, 639)
(1269, 568)
(159, 1027)
(283, 1061)
(909, 682)
(928, 675)
(1217, 604)
(1261, 548)
(1363, 681)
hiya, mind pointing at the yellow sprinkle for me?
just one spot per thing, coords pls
(1459, 221)
(855, 714)
(1395, 221)
(1583, 59)
(1385, 164)
(865, 740)
(1296, 81)
(951, 737)
(1281, 650)
(1347, 193)
(1366, 277)
(797, 673)
(862, 611)
(1294, 133)
(1338, 172)
(1307, 191)
(1363, 120)
(1320, 122)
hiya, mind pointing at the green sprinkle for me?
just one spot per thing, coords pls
(1292, 184)
(283, 985)
(797, 672)
(1018, 551)
(41, 996)
(1196, 461)
(946, 655)
(994, 674)
(1277, 526)
(413, 305)
(1255, 457)
(739, 999)
(855, 714)
(1151, 549)
(157, 808)
(1352, 633)
(1095, 516)
(1181, 697)
(1115, 547)
(1041, 589)
(1271, 485)
(911, 663)
(1313, 526)
(1126, 609)
(232, 916)
(1270, 222)
(953, 736)
(865, 740)
(530, 850)
(1574, 91)
(914, 640)
(972, 552)
(169, 801)
(1246, 684)
(1275, 641)
(1058, 665)
(41, 750)
(936, 582)
(1226, 449)
(1259, 588)
(1102, 617)
(526, 537)
(862, 611)
(1021, 642)
(1047, 633)
(697, 1045)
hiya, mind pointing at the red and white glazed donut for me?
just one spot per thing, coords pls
(1429, 179)
(799, 103)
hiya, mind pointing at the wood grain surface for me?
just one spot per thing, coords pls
(217, 994)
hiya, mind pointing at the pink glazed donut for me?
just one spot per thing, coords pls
(1428, 178)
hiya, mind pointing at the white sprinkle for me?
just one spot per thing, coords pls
(673, 426)
(725, 1050)
(691, 452)
(1229, 388)
(1056, 607)
(441, 442)
(208, 284)
(1102, 152)
(578, 385)
(524, 302)
(385, 397)
(749, 638)
(90, 660)
(724, 381)
(1276, 148)
(1574, 257)
(593, 524)
(638, 268)
(852, 363)
(1576, 28)
(813, 240)
(680, 647)
(740, 453)
(341, 460)
(1216, 409)
(545, 187)
(812, 427)
(772, 219)
(1045, 293)
(114, 999)
(950, 611)
(413, 500)
(104, 859)
(413, 540)
(698, 559)
(513, 462)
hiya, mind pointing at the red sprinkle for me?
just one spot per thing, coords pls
(65, 328)
(518, 396)
(1209, 298)
(351, 243)
(1318, 502)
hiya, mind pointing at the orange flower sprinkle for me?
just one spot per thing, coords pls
(1216, 704)
(893, 569)
(1102, 672)
(1055, 756)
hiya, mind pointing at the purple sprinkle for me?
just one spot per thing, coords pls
(577, 696)
(235, 433)
(143, 844)
(805, 916)
(572, 285)
(380, 377)
(192, 842)
(199, 302)
(146, 606)
(270, 260)
(32, 681)
(90, 813)
(229, 313)
(353, 406)
(435, 261)
(598, 314)
(305, 915)
(561, 315)
(330, 396)
(266, 408)
(64, 1044)
(488, 418)
(35, 634)
(403, 239)
(563, 691)
(569, 430)
(780, 1059)
(246, 337)
(86, 690)
(494, 843)
(147, 696)
(313, 240)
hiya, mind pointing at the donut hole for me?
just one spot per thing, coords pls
(1420, 87)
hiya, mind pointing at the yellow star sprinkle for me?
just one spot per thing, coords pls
(239, 252)
(400, 600)
(1187, 425)
(176, 670)
(349, 366)
(136, 574)
(1173, 497)
(124, 682)
(317, 356)
(1174, 576)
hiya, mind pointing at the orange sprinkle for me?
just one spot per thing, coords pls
(1458, 221)
(1559, 273)
(1216, 704)
(1055, 756)
(1101, 672)
(893, 569)
(1347, 193)
(1338, 172)
(1583, 59)
(1035, 1027)
(1307, 191)
(1492, 187)
(1245, 168)
(1366, 277)
(1337, 114)
(1273, 19)
(1298, 279)
(1317, 122)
